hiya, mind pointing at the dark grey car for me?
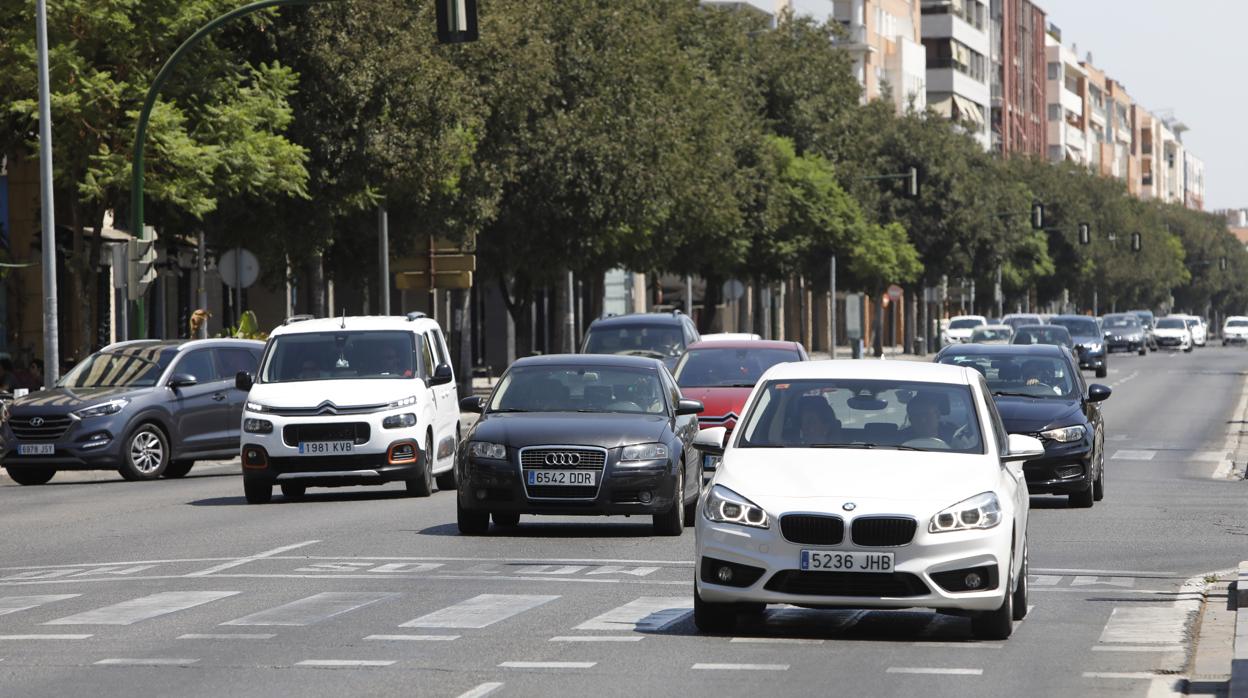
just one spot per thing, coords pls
(145, 408)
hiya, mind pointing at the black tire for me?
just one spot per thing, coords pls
(672, 521)
(31, 475)
(178, 468)
(1020, 591)
(450, 479)
(1102, 371)
(257, 492)
(998, 624)
(1189, 348)
(715, 618)
(293, 490)
(1098, 485)
(1142, 351)
(470, 521)
(506, 518)
(422, 485)
(1081, 500)
(145, 455)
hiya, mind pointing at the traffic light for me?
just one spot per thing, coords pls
(142, 267)
(1137, 242)
(912, 183)
(1085, 234)
(457, 21)
(1037, 216)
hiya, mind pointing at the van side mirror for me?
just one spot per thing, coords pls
(442, 375)
(243, 381)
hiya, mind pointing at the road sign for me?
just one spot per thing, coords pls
(419, 281)
(894, 293)
(733, 290)
(442, 263)
(238, 263)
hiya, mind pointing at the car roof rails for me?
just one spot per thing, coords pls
(416, 315)
(607, 315)
(677, 311)
(298, 318)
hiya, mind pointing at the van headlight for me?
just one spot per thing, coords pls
(405, 402)
(722, 505)
(103, 409)
(1064, 434)
(257, 407)
(978, 512)
(252, 425)
(399, 421)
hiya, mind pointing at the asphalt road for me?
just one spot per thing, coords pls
(180, 588)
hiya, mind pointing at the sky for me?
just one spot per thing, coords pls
(1186, 57)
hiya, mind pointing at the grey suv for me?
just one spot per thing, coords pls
(145, 408)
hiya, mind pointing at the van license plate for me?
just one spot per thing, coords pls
(325, 448)
(826, 561)
(36, 449)
(568, 478)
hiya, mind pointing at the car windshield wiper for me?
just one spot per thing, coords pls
(897, 447)
(509, 409)
(1007, 393)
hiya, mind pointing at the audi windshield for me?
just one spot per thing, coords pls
(579, 389)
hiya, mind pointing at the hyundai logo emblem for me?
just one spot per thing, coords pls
(563, 459)
(849, 506)
(36, 421)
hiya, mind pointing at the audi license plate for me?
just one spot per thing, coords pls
(563, 478)
(827, 561)
(326, 448)
(36, 449)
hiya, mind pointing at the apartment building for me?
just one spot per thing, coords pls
(1124, 161)
(770, 8)
(956, 38)
(1017, 80)
(1193, 182)
(1065, 85)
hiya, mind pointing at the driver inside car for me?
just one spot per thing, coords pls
(923, 413)
(1037, 373)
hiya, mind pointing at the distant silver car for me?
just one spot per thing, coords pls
(992, 334)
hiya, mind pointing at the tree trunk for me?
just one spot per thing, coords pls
(710, 303)
(315, 287)
(518, 303)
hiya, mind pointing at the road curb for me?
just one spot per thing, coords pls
(1239, 662)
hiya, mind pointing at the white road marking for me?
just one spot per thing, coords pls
(1145, 626)
(227, 636)
(333, 663)
(145, 608)
(483, 690)
(313, 609)
(244, 560)
(933, 670)
(597, 638)
(1208, 456)
(45, 636)
(1106, 573)
(963, 645)
(777, 640)
(1136, 675)
(1133, 454)
(741, 667)
(479, 611)
(548, 665)
(1044, 580)
(413, 638)
(645, 614)
(1087, 580)
(1139, 648)
(154, 661)
(13, 604)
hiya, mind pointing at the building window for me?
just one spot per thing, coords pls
(1055, 153)
(1055, 112)
(949, 53)
(1055, 69)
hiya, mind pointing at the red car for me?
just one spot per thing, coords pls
(721, 374)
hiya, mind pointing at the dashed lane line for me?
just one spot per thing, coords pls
(777, 640)
(948, 671)
(740, 667)
(149, 661)
(548, 665)
(252, 558)
(227, 636)
(413, 638)
(47, 636)
(345, 663)
(597, 638)
(482, 690)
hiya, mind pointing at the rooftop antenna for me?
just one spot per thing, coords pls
(344, 318)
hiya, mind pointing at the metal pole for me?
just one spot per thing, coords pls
(569, 317)
(238, 280)
(51, 342)
(202, 292)
(689, 295)
(383, 251)
(832, 311)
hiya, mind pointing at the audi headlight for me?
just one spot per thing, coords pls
(485, 449)
(1064, 434)
(102, 409)
(257, 426)
(978, 512)
(409, 400)
(722, 505)
(644, 452)
(257, 407)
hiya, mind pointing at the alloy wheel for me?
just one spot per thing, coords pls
(146, 452)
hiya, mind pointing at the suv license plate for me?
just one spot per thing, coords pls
(563, 478)
(825, 561)
(36, 449)
(325, 448)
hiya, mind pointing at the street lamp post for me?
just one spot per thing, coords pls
(51, 342)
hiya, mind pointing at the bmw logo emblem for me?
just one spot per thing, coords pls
(849, 506)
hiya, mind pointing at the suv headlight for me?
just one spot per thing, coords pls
(644, 452)
(102, 409)
(722, 505)
(485, 449)
(405, 402)
(978, 512)
(1064, 434)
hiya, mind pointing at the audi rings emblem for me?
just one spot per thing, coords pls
(36, 421)
(572, 459)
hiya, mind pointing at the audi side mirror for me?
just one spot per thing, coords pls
(472, 403)
(689, 407)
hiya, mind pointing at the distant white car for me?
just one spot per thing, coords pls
(1173, 333)
(960, 328)
(897, 487)
(1196, 325)
(1235, 330)
(729, 337)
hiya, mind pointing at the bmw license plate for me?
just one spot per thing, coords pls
(36, 449)
(326, 448)
(828, 561)
(710, 461)
(563, 478)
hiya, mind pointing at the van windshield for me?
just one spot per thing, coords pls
(345, 355)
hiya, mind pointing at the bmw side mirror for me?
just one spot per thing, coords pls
(472, 403)
(442, 375)
(689, 407)
(182, 380)
(1021, 448)
(1098, 392)
(711, 440)
(243, 381)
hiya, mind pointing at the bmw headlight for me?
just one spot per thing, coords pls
(644, 452)
(485, 449)
(1064, 434)
(722, 505)
(409, 400)
(978, 512)
(103, 409)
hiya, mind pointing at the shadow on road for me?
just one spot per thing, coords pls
(910, 627)
(551, 530)
(1050, 502)
(309, 499)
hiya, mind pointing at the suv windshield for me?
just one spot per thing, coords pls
(1014, 374)
(964, 324)
(136, 367)
(847, 413)
(1171, 323)
(711, 368)
(1080, 327)
(340, 355)
(1122, 321)
(654, 341)
(579, 389)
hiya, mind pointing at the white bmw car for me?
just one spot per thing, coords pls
(855, 484)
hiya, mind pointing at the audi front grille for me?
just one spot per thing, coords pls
(578, 458)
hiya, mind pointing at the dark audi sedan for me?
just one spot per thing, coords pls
(1040, 392)
(580, 435)
(1089, 342)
